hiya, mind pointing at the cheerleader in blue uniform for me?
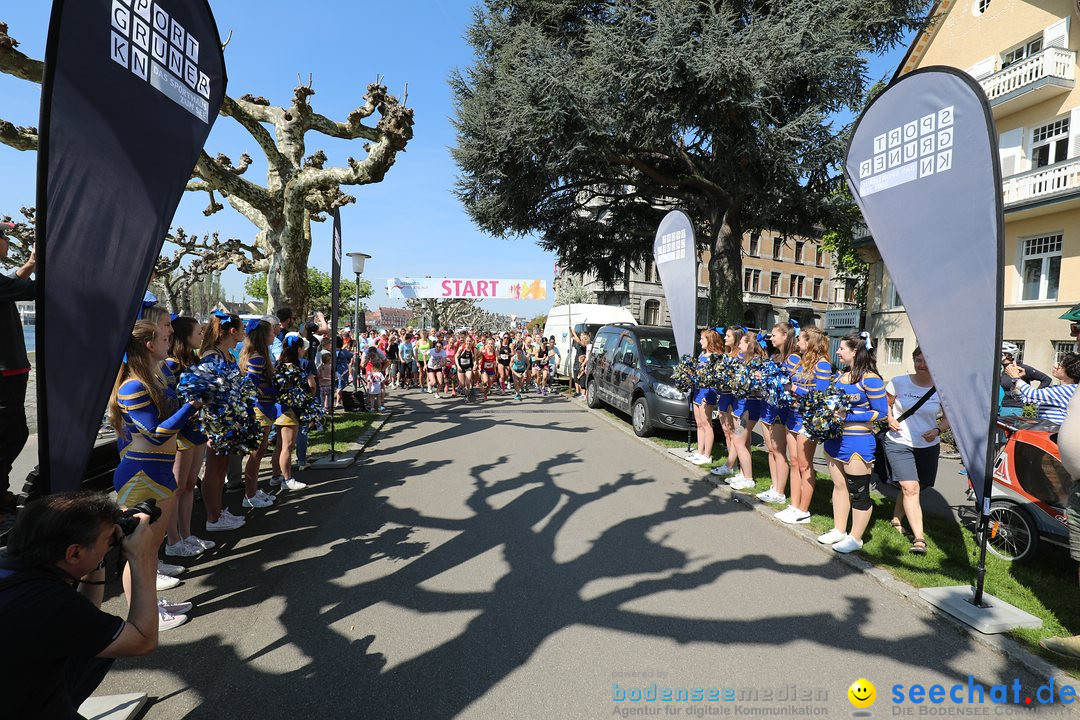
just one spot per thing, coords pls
(809, 370)
(746, 412)
(851, 456)
(187, 336)
(288, 420)
(256, 361)
(782, 338)
(704, 400)
(223, 333)
(725, 406)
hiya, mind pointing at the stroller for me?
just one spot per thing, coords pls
(1030, 490)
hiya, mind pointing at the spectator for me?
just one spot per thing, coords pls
(14, 373)
(1011, 404)
(58, 644)
(325, 376)
(913, 443)
(342, 362)
(1051, 401)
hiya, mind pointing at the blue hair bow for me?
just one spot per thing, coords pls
(148, 301)
(220, 314)
(293, 340)
(743, 328)
(720, 330)
(763, 340)
(252, 325)
(173, 317)
(795, 326)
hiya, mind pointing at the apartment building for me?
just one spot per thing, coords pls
(1024, 54)
(783, 277)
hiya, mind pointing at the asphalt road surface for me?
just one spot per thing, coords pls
(528, 560)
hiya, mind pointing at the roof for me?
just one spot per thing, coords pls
(925, 35)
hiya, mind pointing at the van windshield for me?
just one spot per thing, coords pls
(658, 352)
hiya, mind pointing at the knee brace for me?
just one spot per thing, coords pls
(859, 491)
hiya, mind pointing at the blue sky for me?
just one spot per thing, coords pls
(411, 224)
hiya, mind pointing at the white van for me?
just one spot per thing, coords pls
(563, 317)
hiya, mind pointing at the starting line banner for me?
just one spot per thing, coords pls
(471, 288)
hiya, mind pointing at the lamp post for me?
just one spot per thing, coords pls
(358, 259)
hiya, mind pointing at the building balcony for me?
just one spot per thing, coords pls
(799, 303)
(1043, 183)
(1032, 80)
(756, 298)
(845, 318)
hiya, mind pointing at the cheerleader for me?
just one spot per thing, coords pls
(146, 425)
(223, 333)
(783, 339)
(726, 404)
(257, 363)
(187, 336)
(809, 370)
(851, 456)
(747, 412)
(288, 419)
(705, 400)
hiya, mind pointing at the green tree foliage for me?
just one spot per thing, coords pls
(318, 291)
(586, 121)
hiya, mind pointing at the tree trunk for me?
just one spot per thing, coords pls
(725, 268)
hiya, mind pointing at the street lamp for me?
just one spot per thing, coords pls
(358, 259)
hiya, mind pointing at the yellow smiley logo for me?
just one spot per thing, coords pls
(862, 693)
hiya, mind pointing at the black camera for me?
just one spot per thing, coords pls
(126, 518)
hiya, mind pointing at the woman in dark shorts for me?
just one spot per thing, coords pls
(912, 445)
(503, 368)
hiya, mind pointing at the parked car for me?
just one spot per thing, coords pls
(561, 318)
(630, 369)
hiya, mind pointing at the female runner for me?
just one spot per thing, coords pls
(488, 360)
(465, 368)
(519, 369)
(450, 370)
(503, 368)
(436, 362)
(851, 456)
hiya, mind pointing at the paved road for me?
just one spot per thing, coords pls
(517, 560)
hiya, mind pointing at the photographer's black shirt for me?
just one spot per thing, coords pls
(48, 630)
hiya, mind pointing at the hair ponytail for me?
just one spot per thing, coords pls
(138, 365)
(864, 362)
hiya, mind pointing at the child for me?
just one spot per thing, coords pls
(375, 381)
(326, 378)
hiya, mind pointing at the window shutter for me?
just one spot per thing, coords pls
(1009, 146)
(984, 68)
(1057, 35)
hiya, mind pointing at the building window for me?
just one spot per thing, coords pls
(778, 248)
(844, 291)
(799, 247)
(1050, 143)
(774, 284)
(820, 259)
(755, 245)
(648, 269)
(894, 351)
(652, 313)
(795, 286)
(1019, 53)
(751, 280)
(817, 288)
(1061, 349)
(1019, 357)
(1041, 267)
(978, 7)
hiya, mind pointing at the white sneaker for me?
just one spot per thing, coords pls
(436, 394)
(290, 484)
(199, 542)
(164, 582)
(771, 496)
(224, 522)
(796, 517)
(738, 481)
(167, 621)
(699, 459)
(781, 514)
(173, 608)
(848, 545)
(182, 549)
(832, 537)
(276, 480)
(232, 518)
(170, 570)
(256, 502)
(723, 471)
(265, 496)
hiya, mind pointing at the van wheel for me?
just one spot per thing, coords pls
(592, 399)
(641, 418)
(1013, 534)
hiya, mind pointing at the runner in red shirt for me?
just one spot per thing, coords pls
(487, 366)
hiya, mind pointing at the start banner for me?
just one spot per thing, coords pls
(471, 288)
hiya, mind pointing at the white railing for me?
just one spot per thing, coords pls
(1052, 62)
(846, 318)
(1044, 181)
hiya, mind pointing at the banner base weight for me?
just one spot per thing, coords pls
(997, 616)
(113, 707)
(325, 463)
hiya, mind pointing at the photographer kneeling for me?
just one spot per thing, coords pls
(58, 644)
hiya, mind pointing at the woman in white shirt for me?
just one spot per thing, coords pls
(912, 445)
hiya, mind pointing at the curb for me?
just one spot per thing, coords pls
(358, 446)
(1003, 645)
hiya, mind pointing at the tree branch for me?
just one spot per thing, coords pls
(13, 62)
